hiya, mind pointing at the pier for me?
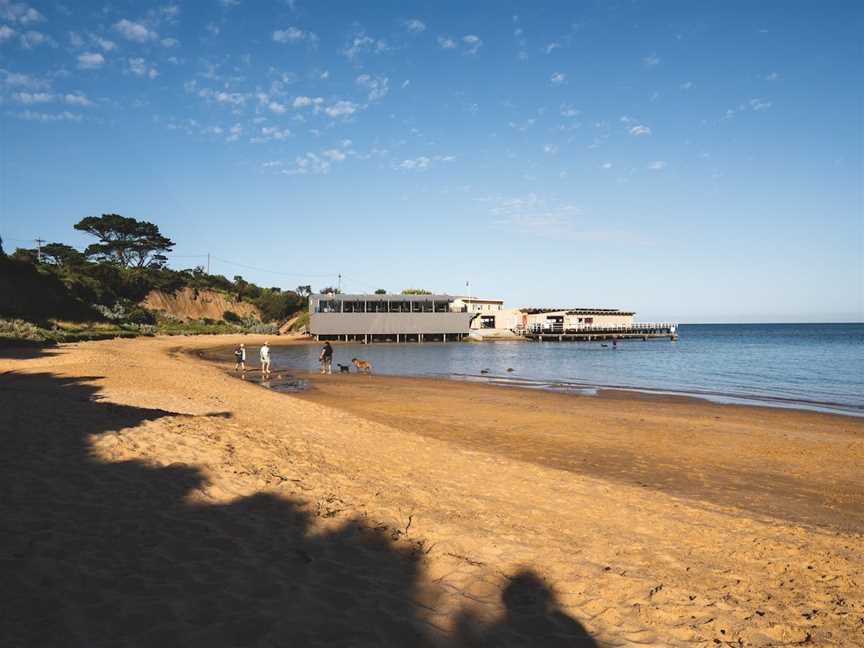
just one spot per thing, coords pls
(636, 331)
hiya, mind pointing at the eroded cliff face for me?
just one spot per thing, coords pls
(190, 304)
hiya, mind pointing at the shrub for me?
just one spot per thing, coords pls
(231, 316)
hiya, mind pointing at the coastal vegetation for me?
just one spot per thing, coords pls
(57, 293)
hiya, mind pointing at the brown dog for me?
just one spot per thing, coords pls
(362, 365)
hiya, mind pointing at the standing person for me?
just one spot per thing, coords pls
(326, 358)
(265, 360)
(240, 358)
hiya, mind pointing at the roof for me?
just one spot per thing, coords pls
(478, 299)
(577, 311)
(387, 297)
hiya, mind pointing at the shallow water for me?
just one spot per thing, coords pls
(809, 366)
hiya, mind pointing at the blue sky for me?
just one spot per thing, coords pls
(696, 161)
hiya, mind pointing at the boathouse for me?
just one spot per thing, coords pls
(388, 318)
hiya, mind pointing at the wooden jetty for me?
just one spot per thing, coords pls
(639, 331)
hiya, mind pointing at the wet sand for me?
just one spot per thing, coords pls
(152, 498)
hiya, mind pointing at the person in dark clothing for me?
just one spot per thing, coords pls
(326, 358)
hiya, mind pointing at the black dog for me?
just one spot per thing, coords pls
(343, 368)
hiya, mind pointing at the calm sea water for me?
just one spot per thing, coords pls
(809, 366)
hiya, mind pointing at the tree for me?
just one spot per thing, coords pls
(416, 291)
(380, 291)
(304, 291)
(62, 255)
(240, 284)
(330, 290)
(128, 242)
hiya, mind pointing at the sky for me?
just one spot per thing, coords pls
(694, 161)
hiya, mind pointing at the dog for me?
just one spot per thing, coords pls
(362, 365)
(343, 368)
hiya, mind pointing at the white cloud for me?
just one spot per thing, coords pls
(378, 87)
(49, 117)
(268, 133)
(551, 47)
(6, 33)
(569, 111)
(169, 42)
(334, 154)
(361, 44)
(19, 12)
(305, 102)
(30, 98)
(558, 78)
(212, 29)
(550, 149)
(134, 31)
(639, 130)
(417, 164)
(472, 43)
(16, 79)
(90, 60)
(104, 43)
(77, 99)
(294, 35)
(651, 61)
(772, 77)
(607, 165)
(657, 165)
(415, 25)
(31, 39)
(533, 215)
(406, 83)
(276, 107)
(219, 96)
(445, 42)
(686, 85)
(234, 133)
(139, 67)
(341, 109)
(760, 104)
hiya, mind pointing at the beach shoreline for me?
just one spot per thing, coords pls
(637, 521)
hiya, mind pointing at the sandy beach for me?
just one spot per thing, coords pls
(153, 498)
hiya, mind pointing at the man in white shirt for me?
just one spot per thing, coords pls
(265, 361)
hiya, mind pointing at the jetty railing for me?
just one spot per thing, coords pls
(556, 331)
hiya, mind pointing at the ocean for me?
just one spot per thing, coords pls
(805, 366)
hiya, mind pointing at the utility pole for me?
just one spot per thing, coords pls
(208, 263)
(39, 243)
(339, 287)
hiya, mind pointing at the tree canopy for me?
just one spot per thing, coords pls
(416, 291)
(330, 290)
(380, 291)
(126, 241)
(62, 255)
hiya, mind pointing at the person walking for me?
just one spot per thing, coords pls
(326, 358)
(265, 360)
(240, 358)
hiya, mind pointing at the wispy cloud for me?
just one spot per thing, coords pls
(445, 42)
(639, 130)
(90, 61)
(135, 31)
(472, 43)
(361, 44)
(423, 162)
(416, 26)
(31, 39)
(6, 33)
(651, 61)
(49, 117)
(657, 165)
(341, 109)
(760, 104)
(19, 12)
(294, 35)
(140, 67)
(686, 85)
(377, 87)
(558, 78)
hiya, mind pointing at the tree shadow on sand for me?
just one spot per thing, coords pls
(115, 554)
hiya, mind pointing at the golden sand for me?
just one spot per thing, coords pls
(152, 498)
